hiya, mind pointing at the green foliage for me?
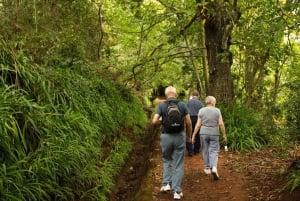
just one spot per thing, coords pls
(57, 108)
(54, 122)
(292, 101)
(294, 179)
(242, 128)
(291, 88)
(52, 32)
(112, 163)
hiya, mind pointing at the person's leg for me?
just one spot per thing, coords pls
(178, 161)
(213, 155)
(197, 144)
(196, 148)
(213, 151)
(166, 147)
(189, 148)
(204, 145)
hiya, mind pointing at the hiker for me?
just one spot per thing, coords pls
(194, 105)
(210, 122)
(173, 142)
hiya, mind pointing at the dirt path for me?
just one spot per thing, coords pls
(251, 176)
(197, 185)
(255, 176)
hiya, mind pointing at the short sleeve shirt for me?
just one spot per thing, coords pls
(161, 110)
(194, 105)
(209, 120)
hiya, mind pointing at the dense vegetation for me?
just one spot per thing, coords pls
(62, 132)
(75, 74)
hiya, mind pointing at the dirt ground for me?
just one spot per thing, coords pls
(252, 176)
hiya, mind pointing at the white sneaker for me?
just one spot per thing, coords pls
(207, 171)
(165, 188)
(177, 196)
(215, 173)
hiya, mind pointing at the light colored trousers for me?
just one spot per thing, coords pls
(210, 150)
(173, 151)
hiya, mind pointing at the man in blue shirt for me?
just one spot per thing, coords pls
(173, 145)
(194, 105)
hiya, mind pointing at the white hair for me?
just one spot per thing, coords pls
(210, 100)
(170, 89)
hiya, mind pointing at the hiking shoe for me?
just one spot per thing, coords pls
(207, 171)
(165, 188)
(177, 196)
(215, 173)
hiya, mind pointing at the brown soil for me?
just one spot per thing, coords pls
(253, 176)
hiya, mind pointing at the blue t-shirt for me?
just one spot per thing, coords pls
(194, 105)
(161, 110)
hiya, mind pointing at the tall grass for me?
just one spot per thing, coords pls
(54, 123)
(243, 129)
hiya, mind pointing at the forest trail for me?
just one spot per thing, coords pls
(243, 177)
(251, 176)
(197, 185)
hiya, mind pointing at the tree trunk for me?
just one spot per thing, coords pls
(204, 60)
(254, 76)
(195, 76)
(219, 17)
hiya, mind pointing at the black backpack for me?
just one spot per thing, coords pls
(173, 121)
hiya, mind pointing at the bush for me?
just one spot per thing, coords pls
(242, 128)
(54, 122)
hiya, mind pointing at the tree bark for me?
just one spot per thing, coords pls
(219, 17)
(204, 59)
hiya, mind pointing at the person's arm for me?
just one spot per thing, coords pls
(155, 119)
(196, 129)
(222, 127)
(188, 124)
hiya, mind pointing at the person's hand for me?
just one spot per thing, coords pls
(193, 139)
(188, 139)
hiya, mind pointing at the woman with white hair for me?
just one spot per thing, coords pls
(210, 122)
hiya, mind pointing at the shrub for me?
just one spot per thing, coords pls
(54, 122)
(242, 128)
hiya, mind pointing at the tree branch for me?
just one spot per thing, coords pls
(190, 23)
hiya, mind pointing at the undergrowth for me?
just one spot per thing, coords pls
(54, 122)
